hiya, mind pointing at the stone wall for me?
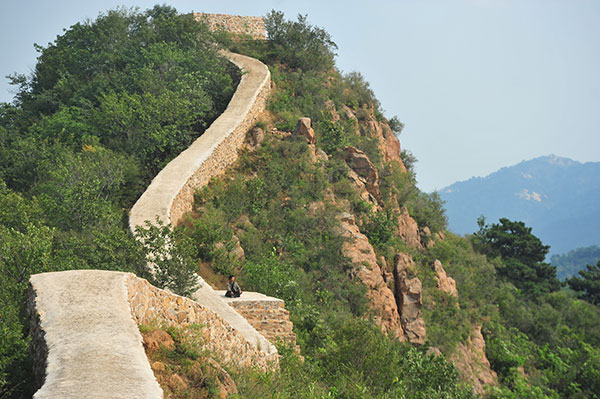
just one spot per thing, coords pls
(151, 305)
(171, 194)
(223, 156)
(252, 26)
(267, 314)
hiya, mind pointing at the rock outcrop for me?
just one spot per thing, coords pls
(360, 163)
(360, 185)
(472, 364)
(387, 142)
(408, 229)
(381, 297)
(444, 282)
(303, 128)
(409, 299)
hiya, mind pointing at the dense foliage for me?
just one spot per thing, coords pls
(109, 103)
(522, 254)
(587, 283)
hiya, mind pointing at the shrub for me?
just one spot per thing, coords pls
(299, 44)
(169, 253)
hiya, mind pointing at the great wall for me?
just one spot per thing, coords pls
(84, 324)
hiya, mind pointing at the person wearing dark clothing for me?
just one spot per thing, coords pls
(233, 288)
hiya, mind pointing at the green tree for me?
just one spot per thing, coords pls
(522, 253)
(587, 284)
(299, 44)
(169, 253)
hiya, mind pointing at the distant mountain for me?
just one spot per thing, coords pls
(558, 197)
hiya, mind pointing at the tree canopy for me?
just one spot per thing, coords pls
(522, 253)
(587, 283)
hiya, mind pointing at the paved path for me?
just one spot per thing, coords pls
(95, 349)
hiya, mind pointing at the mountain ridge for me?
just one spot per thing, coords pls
(557, 196)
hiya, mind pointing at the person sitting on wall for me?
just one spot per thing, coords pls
(233, 288)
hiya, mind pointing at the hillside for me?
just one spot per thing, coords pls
(319, 209)
(558, 197)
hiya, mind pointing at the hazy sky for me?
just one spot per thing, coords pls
(479, 84)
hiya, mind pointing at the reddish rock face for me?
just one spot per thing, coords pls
(408, 230)
(388, 143)
(409, 299)
(303, 129)
(444, 282)
(472, 364)
(360, 163)
(381, 297)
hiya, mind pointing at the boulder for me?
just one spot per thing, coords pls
(176, 383)
(408, 229)
(330, 106)
(224, 383)
(434, 351)
(303, 129)
(427, 239)
(153, 340)
(360, 163)
(256, 136)
(360, 185)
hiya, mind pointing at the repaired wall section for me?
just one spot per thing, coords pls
(252, 26)
(86, 338)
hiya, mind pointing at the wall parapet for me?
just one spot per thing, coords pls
(93, 346)
(267, 314)
(152, 305)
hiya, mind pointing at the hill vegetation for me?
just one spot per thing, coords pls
(112, 100)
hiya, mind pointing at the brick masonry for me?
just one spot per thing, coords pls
(252, 26)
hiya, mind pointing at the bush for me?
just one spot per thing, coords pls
(273, 277)
(299, 44)
(169, 253)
